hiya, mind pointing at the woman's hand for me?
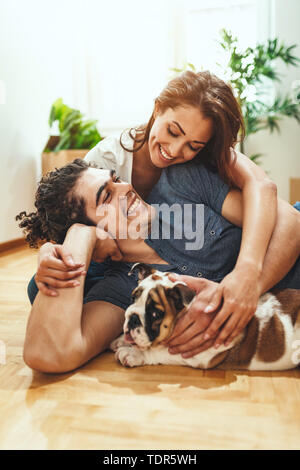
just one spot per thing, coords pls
(230, 304)
(188, 335)
(56, 269)
(240, 292)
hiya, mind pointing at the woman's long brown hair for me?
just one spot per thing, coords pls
(215, 100)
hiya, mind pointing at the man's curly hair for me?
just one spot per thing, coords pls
(57, 207)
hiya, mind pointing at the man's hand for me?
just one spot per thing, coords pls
(56, 269)
(188, 335)
(106, 247)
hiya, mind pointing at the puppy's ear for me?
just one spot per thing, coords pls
(144, 270)
(182, 295)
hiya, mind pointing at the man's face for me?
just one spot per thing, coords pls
(113, 205)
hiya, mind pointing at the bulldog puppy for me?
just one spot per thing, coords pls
(267, 343)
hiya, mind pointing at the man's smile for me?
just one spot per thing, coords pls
(134, 206)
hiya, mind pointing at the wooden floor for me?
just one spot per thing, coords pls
(106, 406)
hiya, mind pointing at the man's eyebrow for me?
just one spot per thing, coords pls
(196, 141)
(100, 191)
(112, 175)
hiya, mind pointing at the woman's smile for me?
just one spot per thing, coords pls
(164, 155)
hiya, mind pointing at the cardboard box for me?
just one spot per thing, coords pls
(52, 160)
(294, 190)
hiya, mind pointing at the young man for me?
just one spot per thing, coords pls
(65, 331)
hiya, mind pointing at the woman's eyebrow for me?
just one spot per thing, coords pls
(196, 141)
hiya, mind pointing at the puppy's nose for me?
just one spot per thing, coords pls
(134, 322)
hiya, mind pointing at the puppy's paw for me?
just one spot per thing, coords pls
(118, 343)
(129, 356)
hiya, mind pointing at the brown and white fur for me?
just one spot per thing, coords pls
(267, 343)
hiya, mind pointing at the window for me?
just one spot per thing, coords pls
(203, 22)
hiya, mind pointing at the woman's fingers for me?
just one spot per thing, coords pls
(61, 275)
(207, 344)
(218, 321)
(54, 263)
(42, 287)
(187, 342)
(239, 328)
(66, 256)
(190, 347)
(209, 295)
(194, 283)
(227, 330)
(184, 338)
(182, 324)
(215, 302)
(56, 283)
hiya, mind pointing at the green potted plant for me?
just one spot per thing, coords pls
(250, 73)
(77, 135)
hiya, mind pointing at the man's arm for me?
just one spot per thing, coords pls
(62, 334)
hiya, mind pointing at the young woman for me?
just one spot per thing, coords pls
(196, 117)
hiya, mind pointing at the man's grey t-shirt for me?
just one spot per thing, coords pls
(197, 195)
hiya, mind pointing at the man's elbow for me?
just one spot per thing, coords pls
(51, 362)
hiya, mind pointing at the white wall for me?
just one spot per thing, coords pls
(282, 151)
(109, 59)
(32, 64)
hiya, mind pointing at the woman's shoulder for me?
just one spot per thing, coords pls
(113, 152)
(112, 147)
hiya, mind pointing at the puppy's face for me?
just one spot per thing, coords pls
(157, 303)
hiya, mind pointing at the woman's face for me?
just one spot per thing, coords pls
(178, 135)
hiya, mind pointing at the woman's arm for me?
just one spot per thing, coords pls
(259, 201)
(237, 288)
(284, 246)
(259, 215)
